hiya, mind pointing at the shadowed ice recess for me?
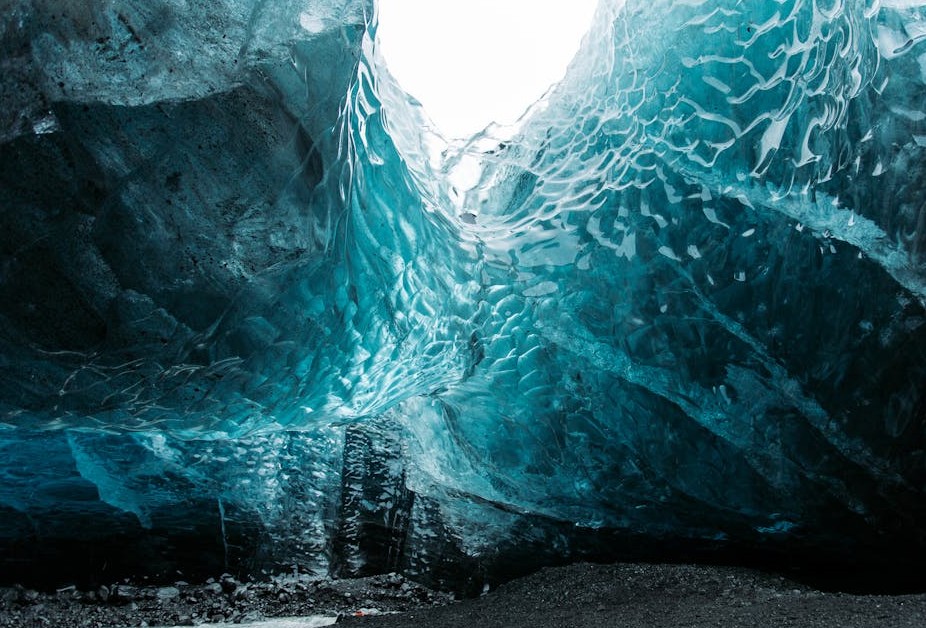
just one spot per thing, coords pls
(252, 303)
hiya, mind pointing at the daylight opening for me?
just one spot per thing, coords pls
(474, 62)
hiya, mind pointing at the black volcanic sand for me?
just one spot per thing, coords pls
(644, 595)
(581, 595)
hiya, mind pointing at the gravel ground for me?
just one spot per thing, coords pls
(219, 601)
(581, 595)
(643, 595)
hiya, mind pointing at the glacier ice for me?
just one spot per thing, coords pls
(253, 303)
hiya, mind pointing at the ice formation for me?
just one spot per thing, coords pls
(245, 297)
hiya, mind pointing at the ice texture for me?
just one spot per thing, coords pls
(249, 294)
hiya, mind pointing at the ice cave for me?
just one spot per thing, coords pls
(258, 313)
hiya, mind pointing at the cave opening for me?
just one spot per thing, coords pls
(471, 64)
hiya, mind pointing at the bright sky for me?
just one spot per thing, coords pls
(472, 62)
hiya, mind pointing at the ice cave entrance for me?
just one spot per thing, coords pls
(474, 62)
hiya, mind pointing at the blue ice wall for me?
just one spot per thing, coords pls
(244, 298)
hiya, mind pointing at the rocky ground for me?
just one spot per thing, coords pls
(651, 596)
(582, 595)
(218, 601)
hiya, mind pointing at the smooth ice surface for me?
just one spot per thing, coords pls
(245, 295)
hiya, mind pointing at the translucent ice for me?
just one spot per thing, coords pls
(246, 293)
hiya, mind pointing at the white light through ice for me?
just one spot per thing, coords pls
(473, 62)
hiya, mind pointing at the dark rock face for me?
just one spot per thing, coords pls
(243, 309)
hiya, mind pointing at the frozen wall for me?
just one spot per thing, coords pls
(244, 298)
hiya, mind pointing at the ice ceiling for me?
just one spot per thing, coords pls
(249, 318)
